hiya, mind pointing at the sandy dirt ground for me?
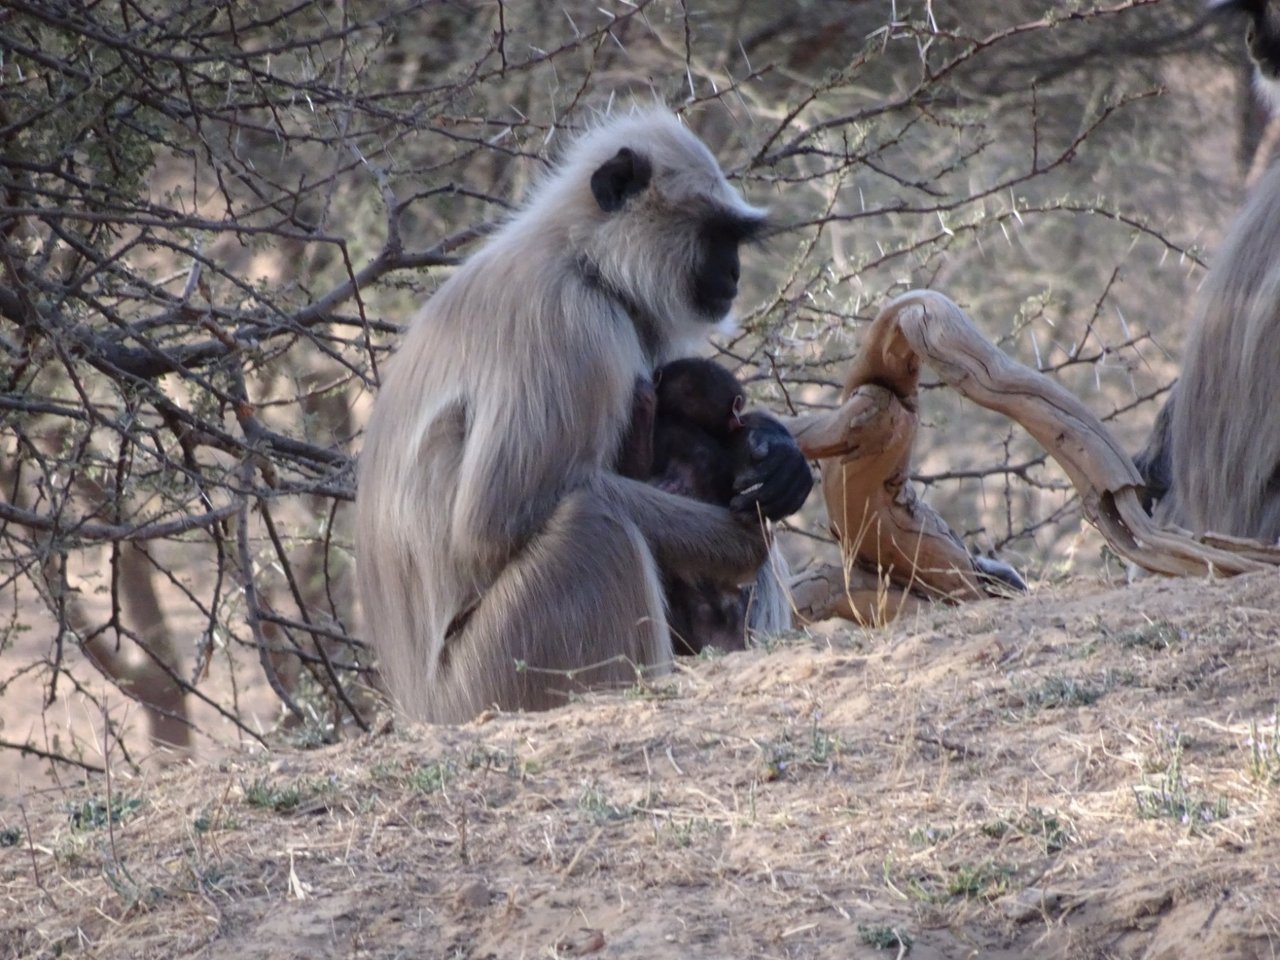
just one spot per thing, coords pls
(1089, 772)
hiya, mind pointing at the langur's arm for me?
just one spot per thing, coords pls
(688, 537)
(503, 494)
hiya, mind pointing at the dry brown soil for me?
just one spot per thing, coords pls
(1069, 775)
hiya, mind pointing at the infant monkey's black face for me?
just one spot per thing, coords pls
(701, 393)
(698, 440)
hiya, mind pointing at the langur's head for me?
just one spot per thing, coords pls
(1263, 39)
(655, 222)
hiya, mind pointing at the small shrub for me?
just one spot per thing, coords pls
(94, 814)
(599, 808)
(1048, 828)
(1157, 635)
(1044, 826)
(262, 793)
(1264, 751)
(1061, 691)
(487, 759)
(979, 880)
(928, 836)
(431, 777)
(1169, 797)
(823, 747)
(885, 937)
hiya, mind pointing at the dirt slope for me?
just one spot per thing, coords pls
(1070, 775)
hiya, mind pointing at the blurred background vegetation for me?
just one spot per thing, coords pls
(216, 217)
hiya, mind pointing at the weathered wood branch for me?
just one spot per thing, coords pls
(885, 531)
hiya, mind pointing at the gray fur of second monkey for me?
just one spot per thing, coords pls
(485, 481)
(1217, 443)
(1224, 431)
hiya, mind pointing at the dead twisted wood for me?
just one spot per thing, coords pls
(894, 546)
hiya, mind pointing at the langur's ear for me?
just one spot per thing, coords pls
(623, 175)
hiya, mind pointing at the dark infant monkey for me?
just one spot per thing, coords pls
(701, 445)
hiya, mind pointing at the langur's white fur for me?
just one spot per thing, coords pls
(1218, 437)
(1268, 89)
(1224, 436)
(487, 506)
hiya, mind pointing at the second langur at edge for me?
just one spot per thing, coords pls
(1213, 460)
(502, 561)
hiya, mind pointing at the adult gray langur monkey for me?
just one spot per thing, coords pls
(501, 559)
(1213, 461)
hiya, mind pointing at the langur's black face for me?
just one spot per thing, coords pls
(1262, 36)
(715, 277)
(708, 229)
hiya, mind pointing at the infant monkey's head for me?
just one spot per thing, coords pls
(700, 392)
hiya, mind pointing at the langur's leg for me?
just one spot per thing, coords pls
(704, 613)
(581, 606)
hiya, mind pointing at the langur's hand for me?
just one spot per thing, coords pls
(776, 480)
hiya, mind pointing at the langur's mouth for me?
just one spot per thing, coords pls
(717, 308)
